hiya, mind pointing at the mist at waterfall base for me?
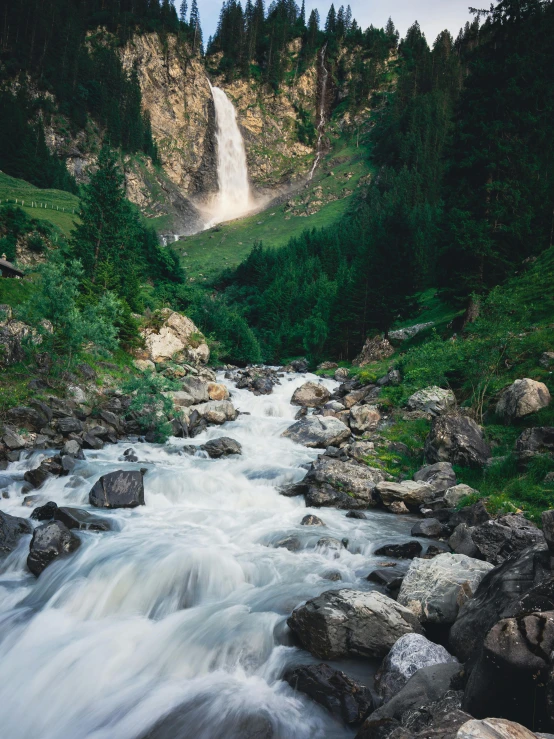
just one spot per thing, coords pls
(173, 625)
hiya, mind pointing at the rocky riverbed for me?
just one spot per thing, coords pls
(257, 577)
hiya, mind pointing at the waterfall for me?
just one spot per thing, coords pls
(233, 198)
(321, 124)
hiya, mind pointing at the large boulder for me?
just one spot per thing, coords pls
(346, 623)
(407, 550)
(120, 489)
(50, 541)
(222, 447)
(341, 484)
(411, 493)
(435, 589)
(176, 337)
(439, 476)
(537, 440)
(339, 694)
(500, 538)
(49, 467)
(364, 418)
(30, 419)
(317, 431)
(374, 350)
(12, 528)
(214, 411)
(522, 398)
(310, 395)
(77, 518)
(456, 439)
(434, 400)
(494, 728)
(408, 655)
(402, 334)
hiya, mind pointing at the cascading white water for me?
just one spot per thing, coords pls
(321, 123)
(180, 611)
(234, 197)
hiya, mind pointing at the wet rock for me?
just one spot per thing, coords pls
(356, 514)
(329, 542)
(331, 575)
(12, 439)
(90, 441)
(311, 520)
(216, 411)
(407, 550)
(387, 577)
(292, 543)
(120, 489)
(408, 655)
(12, 528)
(222, 447)
(435, 589)
(411, 493)
(433, 400)
(30, 500)
(430, 528)
(50, 467)
(398, 508)
(77, 518)
(318, 432)
(456, 439)
(334, 482)
(439, 476)
(339, 694)
(72, 448)
(310, 395)
(493, 728)
(50, 541)
(499, 538)
(45, 512)
(351, 623)
(129, 455)
(364, 418)
(522, 398)
(294, 489)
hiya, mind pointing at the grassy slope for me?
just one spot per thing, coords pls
(206, 254)
(58, 207)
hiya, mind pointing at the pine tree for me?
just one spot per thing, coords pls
(183, 11)
(331, 22)
(194, 23)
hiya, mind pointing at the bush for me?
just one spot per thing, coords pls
(151, 408)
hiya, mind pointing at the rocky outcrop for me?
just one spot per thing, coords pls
(456, 439)
(433, 400)
(351, 623)
(120, 489)
(176, 338)
(50, 541)
(522, 398)
(538, 440)
(318, 432)
(374, 350)
(500, 538)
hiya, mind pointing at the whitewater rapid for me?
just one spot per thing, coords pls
(184, 605)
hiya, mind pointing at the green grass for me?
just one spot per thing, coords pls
(15, 292)
(206, 254)
(58, 205)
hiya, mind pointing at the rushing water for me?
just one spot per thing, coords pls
(184, 605)
(321, 123)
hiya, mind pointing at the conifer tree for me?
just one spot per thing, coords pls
(183, 11)
(194, 23)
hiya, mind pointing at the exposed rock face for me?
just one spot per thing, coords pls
(408, 655)
(12, 528)
(120, 489)
(522, 398)
(499, 538)
(536, 440)
(310, 395)
(402, 334)
(50, 541)
(340, 695)
(435, 589)
(350, 622)
(177, 337)
(433, 400)
(319, 432)
(456, 439)
(374, 350)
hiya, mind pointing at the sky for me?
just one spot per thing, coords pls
(434, 16)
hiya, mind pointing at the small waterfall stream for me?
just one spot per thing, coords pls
(322, 121)
(179, 614)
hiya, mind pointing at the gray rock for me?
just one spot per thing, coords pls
(77, 518)
(72, 448)
(522, 398)
(292, 543)
(548, 528)
(408, 655)
(12, 439)
(411, 493)
(461, 541)
(310, 395)
(454, 495)
(493, 728)
(472, 515)
(539, 439)
(430, 528)
(435, 589)
(215, 411)
(339, 694)
(439, 476)
(50, 541)
(386, 576)
(66, 426)
(318, 432)
(500, 538)
(364, 418)
(356, 514)
(196, 391)
(49, 467)
(402, 334)
(407, 550)
(329, 542)
(311, 520)
(343, 484)
(30, 419)
(222, 447)
(434, 400)
(456, 439)
(351, 623)
(120, 489)
(12, 528)
(90, 441)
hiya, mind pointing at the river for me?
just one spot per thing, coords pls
(182, 609)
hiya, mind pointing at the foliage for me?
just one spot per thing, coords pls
(150, 405)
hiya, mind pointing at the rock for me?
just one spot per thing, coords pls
(408, 655)
(408, 550)
(356, 514)
(427, 685)
(509, 676)
(292, 543)
(456, 439)
(318, 432)
(327, 365)
(27, 418)
(430, 528)
(45, 512)
(217, 391)
(92, 442)
(398, 508)
(364, 418)
(536, 440)
(197, 389)
(72, 448)
(522, 398)
(413, 494)
(341, 374)
(521, 584)
(66, 426)
(300, 365)
(402, 334)
(454, 495)
(374, 350)
(329, 542)
(461, 541)
(215, 411)
(311, 520)
(351, 623)
(435, 589)
(51, 540)
(12, 528)
(333, 482)
(261, 386)
(387, 577)
(77, 518)
(438, 720)
(547, 360)
(433, 400)
(120, 489)
(222, 447)
(50, 467)
(493, 728)
(310, 395)
(547, 520)
(339, 694)
(13, 440)
(471, 515)
(144, 365)
(498, 539)
(176, 336)
(30, 500)
(439, 476)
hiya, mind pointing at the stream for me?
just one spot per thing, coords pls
(181, 610)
